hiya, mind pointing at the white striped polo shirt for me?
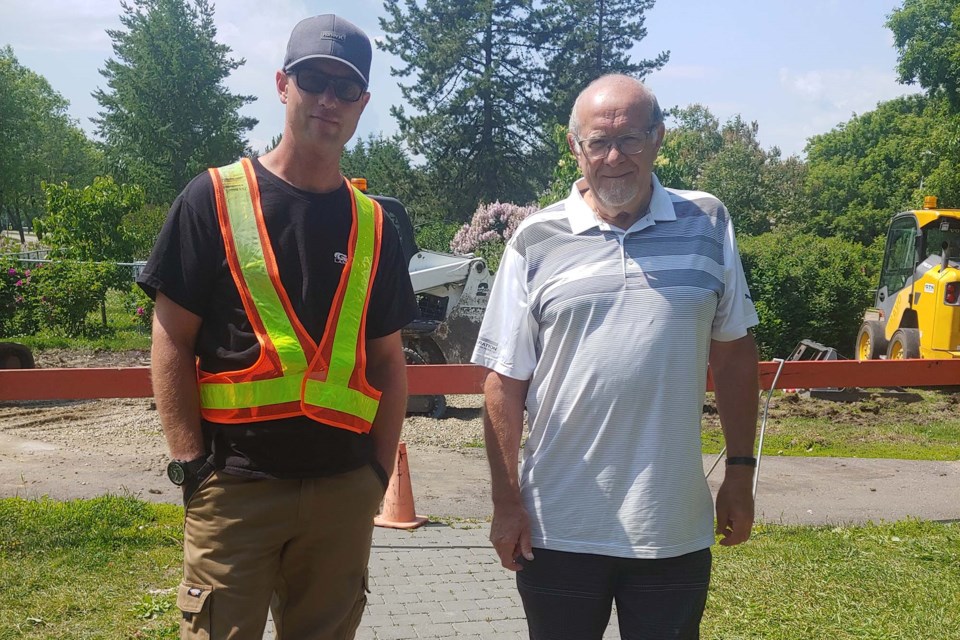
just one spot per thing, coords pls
(613, 330)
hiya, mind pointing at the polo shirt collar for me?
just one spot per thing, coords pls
(582, 217)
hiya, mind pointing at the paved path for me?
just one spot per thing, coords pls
(440, 581)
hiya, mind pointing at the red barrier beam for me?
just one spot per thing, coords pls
(134, 382)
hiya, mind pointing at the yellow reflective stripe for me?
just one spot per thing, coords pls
(346, 336)
(340, 398)
(244, 395)
(253, 267)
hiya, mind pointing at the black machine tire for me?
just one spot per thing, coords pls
(15, 356)
(904, 344)
(871, 341)
(430, 406)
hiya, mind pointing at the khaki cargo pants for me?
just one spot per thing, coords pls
(303, 543)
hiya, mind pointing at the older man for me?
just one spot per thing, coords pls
(277, 362)
(606, 310)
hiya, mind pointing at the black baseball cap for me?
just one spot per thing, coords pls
(331, 37)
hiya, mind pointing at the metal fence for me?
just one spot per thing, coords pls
(40, 256)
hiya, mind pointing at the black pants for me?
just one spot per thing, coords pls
(568, 595)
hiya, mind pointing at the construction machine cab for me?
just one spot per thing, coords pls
(916, 312)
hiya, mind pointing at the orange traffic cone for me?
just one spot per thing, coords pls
(398, 510)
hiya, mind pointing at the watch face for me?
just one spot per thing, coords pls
(176, 473)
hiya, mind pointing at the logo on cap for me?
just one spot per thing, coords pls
(330, 35)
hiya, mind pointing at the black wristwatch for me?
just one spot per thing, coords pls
(181, 472)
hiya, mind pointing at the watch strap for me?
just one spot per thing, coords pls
(746, 461)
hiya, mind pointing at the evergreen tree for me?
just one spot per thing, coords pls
(473, 96)
(582, 40)
(167, 114)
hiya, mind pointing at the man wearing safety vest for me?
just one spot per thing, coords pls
(277, 363)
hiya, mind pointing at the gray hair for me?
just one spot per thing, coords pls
(656, 113)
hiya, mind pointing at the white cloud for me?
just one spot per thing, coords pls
(59, 25)
(848, 90)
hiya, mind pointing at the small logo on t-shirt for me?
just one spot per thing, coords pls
(340, 258)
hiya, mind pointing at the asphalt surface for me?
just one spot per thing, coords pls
(790, 490)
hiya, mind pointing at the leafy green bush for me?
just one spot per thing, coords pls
(805, 286)
(139, 305)
(88, 223)
(436, 235)
(68, 291)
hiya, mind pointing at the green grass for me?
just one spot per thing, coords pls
(107, 568)
(102, 568)
(892, 581)
(872, 428)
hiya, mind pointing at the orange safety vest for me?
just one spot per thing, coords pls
(293, 376)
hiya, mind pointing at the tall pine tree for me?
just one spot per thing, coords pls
(167, 115)
(581, 40)
(473, 96)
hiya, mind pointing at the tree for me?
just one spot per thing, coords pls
(39, 142)
(688, 145)
(760, 190)
(872, 166)
(565, 172)
(166, 114)
(385, 165)
(86, 225)
(582, 40)
(735, 175)
(926, 34)
(473, 97)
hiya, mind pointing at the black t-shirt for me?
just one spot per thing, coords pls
(309, 233)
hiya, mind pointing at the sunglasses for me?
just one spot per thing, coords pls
(316, 82)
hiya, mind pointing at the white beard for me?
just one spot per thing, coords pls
(616, 193)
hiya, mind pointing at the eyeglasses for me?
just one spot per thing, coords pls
(629, 144)
(316, 82)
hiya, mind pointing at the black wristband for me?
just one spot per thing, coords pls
(747, 461)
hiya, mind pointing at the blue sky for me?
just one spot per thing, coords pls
(798, 68)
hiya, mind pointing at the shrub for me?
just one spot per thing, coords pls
(436, 235)
(140, 307)
(69, 291)
(18, 299)
(489, 230)
(805, 286)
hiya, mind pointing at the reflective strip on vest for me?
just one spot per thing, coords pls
(334, 391)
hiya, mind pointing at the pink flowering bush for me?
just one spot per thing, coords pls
(489, 230)
(18, 299)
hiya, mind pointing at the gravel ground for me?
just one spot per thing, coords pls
(78, 449)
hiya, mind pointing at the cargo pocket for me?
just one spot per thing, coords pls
(352, 622)
(193, 600)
